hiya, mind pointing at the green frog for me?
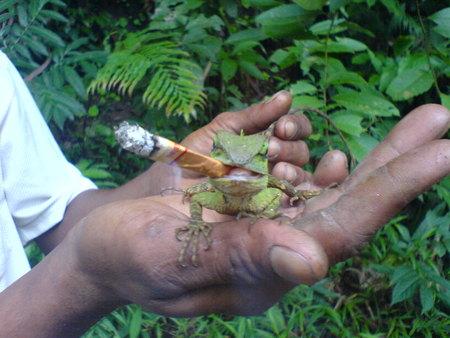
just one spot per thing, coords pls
(251, 192)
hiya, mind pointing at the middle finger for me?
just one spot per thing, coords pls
(294, 152)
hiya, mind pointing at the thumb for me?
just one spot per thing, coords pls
(257, 117)
(252, 120)
(298, 258)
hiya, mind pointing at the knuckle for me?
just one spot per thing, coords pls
(305, 125)
(222, 120)
(303, 151)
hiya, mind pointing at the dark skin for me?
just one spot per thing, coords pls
(127, 252)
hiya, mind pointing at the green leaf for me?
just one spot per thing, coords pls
(47, 35)
(348, 123)
(5, 16)
(323, 27)
(404, 289)
(75, 81)
(306, 101)
(276, 319)
(413, 78)
(251, 34)
(5, 4)
(311, 4)
(54, 15)
(244, 46)
(252, 69)
(96, 173)
(337, 4)
(443, 190)
(442, 19)
(402, 272)
(22, 15)
(262, 3)
(284, 20)
(445, 100)
(228, 69)
(36, 46)
(365, 102)
(350, 45)
(136, 323)
(303, 87)
(431, 221)
(426, 298)
(93, 111)
(361, 146)
(283, 58)
(346, 77)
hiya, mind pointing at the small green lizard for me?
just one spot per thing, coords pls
(241, 194)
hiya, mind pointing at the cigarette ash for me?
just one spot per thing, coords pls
(133, 138)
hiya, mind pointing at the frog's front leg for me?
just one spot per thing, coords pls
(196, 189)
(197, 228)
(290, 190)
(265, 204)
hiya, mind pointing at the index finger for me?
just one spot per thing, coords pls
(348, 223)
(421, 125)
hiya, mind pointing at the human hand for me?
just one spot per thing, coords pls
(287, 152)
(129, 252)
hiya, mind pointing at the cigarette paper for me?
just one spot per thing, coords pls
(136, 139)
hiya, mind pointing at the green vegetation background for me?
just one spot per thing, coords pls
(173, 65)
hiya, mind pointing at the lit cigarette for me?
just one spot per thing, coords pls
(145, 144)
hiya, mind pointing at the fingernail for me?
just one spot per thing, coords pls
(291, 266)
(276, 96)
(274, 150)
(290, 174)
(289, 129)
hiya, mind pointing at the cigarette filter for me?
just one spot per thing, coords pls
(136, 139)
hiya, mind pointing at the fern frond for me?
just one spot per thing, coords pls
(400, 18)
(172, 81)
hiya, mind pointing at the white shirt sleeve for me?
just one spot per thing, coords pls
(38, 182)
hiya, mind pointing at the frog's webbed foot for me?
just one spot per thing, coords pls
(190, 236)
(303, 195)
(293, 193)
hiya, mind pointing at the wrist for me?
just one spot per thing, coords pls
(53, 299)
(80, 300)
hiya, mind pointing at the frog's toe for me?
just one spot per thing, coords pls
(190, 236)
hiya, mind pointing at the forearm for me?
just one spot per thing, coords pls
(54, 299)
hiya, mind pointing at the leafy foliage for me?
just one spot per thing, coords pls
(53, 67)
(175, 81)
(364, 63)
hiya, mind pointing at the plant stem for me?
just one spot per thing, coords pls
(330, 121)
(427, 48)
(325, 76)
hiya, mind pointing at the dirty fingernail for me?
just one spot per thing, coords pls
(291, 266)
(289, 129)
(290, 174)
(274, 150)
(276, 96)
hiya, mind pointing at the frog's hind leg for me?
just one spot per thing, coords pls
(190, 235)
